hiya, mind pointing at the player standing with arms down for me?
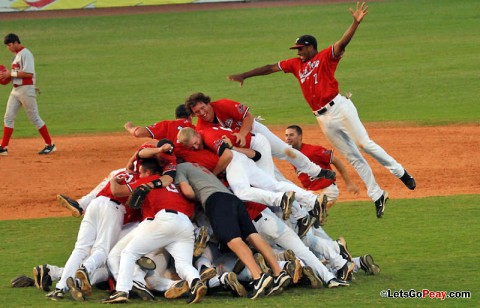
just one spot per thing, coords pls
(23, 94)
(336, 114)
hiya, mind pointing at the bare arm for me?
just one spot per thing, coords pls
(259, 71)
(136, 131)
(351, 187)
(223, 162)
(117, 189)
(187, 190)
(20, 74)
(358, 14)
(244, 130)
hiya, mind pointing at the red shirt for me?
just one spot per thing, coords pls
(228, 113)
(212, 137)
(320, 156)
(168, 162)
(163, 198)
(254, 208)
(316, 77)
(169, 130)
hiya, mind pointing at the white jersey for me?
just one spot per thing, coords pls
(23, 61)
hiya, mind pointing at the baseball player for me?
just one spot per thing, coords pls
(23, 94)
(322, 157)
(336, 114)
(236, 116)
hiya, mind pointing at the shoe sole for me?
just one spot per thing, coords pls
(287, 210)
(86, 286)
(232, 281)
(373, 269)
(176, 292)
(298, 273)
(118, 300)
(323, 211)
(289, 255)
(36, 277)
(76, 293)
(208, 274)
(146, 263)
(315, 281)
(202, 243)
(63, 202)
(46, 153)
(385, 199)
(286, 280)
(341, 240)
(143, 294)
(261, 263)
(200, 294)
(262, 288)
(312, 222)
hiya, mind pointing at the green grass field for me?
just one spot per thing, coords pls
(410, 61)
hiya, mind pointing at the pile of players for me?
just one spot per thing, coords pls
(257, 233)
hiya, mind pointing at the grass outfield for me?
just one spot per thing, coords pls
(429, 243)
(411, 60)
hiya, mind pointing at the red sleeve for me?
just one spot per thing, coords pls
(159, 130)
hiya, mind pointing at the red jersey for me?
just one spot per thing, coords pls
(228, 113)
(212, 137)
(254, 209)
(320, 156)
(169, 130)
(316, 77)
(168, 162)
(206, 158)
(163, 198)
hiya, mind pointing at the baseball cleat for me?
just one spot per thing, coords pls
(56, 295)
(71, 205)
(146, 263)
(82, 275)
(75, 290)
(207, 273)
(3, 151)
(327, 174)
(200, 241)
(48, 149)
(237, 289)
(260, 285)
(346, 271)
(142, 291)
(117, 297)
(368, 265)
(286, 204)
(408, 180)
(177, 290)
(304, 224)
(261, 263)
(279, 282)
(294, 270)
(197, 291)
(312, 277)
(380, 204)
(289, 255)
(335, 282)
(319, 210)
(342, 245)
(42, 278)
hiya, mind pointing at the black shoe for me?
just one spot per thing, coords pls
(327, 174)
(408, 180)
(142, 291)
(380, 204)
(312, 277)
(146, 263)
(235, 287)
(56, 295)
(335, 282)
(346, 271)
(197, 291)
(319, 210)
(71, 205)
(117, 297)
(342, 244)
(48, 149)
(42, 278)
(279, 282)
(3, 151)
(286, 204)
(82, 275)
(207, 273)
(75, 290)
(368, 265)
(304, 224)
(260, 285)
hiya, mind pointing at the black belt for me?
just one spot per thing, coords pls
(258, 217)
(171, 211)
(115, 201)
(324, 109)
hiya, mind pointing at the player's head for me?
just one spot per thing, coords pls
(306, 46)
(181, 112)
(199, 105)
(293, 136)
(190, 139)
(149, 166)
(11, 38)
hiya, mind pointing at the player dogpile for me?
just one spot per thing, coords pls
(203, 207)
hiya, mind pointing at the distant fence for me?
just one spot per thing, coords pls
(44, 5)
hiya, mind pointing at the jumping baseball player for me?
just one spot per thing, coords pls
(236, 116)
(336, 114)
(23, 94)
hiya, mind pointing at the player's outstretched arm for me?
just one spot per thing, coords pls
(136, 131)
(358, 15)
(259, 71)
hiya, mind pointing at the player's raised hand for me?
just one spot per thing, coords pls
(237, 78)
(360, 12)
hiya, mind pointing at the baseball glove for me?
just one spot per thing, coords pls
(136, 199)
(22, 281)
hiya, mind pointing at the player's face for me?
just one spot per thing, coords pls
(11, 47)
(142, 172)
(203, 111)
(292, 138)
(305, 53)
(195, 143)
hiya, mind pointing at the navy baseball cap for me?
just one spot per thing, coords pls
(305, 40)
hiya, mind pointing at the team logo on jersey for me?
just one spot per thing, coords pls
(307, 71)
(241, 108)
(228, 123)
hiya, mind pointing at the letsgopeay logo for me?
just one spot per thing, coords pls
(308, 70)
(39, 3)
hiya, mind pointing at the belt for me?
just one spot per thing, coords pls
(258, 217)
(17, 85)
(171, 211)
(115, 201)
(323, 109)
